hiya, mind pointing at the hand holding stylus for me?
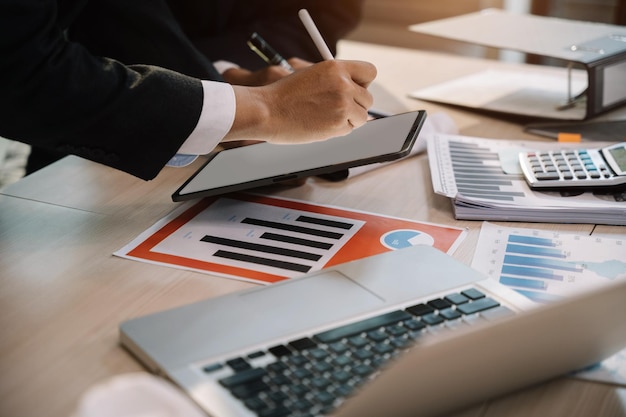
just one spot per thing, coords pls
(314, 103)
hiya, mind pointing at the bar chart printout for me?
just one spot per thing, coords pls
(547, 266)
(265, 239)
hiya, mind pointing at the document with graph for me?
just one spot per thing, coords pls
(267, 239)
(484, 180)
(546, 266)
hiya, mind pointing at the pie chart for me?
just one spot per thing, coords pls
(403, 238)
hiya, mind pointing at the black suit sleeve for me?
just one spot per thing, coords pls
(220, 29)
(57, 94)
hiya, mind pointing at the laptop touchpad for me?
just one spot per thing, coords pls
(329, 294)
(307, 303)
(259, 316)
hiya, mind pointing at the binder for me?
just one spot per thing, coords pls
(597, 49)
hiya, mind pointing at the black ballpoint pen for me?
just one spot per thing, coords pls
(266, 52)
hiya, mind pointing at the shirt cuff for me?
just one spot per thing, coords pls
(216, 119)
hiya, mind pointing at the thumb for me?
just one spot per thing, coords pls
(361, 72)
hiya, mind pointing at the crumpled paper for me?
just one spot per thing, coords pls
(136, 395)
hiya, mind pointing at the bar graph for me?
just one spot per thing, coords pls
(478, 173)
(477, 170)
(547, 266)
(266, 239)
(274, 240)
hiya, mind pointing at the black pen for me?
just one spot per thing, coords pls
(266, 52)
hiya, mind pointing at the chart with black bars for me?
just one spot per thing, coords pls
(265, 238)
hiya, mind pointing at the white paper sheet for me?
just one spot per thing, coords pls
(538, 94)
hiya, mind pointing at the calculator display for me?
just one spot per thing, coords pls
(619, 156)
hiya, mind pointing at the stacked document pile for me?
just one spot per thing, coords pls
(484, 181)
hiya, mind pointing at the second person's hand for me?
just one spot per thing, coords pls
(264, 76)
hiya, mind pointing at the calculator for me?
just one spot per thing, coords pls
(575, 168)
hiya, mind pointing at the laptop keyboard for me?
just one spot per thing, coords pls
(310, 376)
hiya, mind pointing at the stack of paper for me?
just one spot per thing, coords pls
(484, 181)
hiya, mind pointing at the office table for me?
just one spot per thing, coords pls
(63, 294)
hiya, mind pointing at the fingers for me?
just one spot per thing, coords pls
(363, 98)
(264, 76)
(271, 74)
(350, 79)
(297, 63)
(361, 72)
(358, 114)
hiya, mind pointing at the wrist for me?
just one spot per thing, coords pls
(252, 115)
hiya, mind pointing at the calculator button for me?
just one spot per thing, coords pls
(594, 174)
(543, 176)
(581, 175)
(567, 175)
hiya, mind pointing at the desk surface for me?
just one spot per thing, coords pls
(63, 294)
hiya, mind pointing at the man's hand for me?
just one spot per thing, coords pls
(314, 103)
(268, 75)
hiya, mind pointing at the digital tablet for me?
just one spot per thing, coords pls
(245, 167)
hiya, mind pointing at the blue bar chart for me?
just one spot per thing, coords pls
(547, 266)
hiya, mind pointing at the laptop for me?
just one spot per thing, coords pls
(405, 333)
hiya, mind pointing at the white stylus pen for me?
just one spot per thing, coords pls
(315, 34)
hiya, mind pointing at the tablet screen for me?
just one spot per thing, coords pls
(251, 166)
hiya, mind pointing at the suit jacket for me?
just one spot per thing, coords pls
(118, 81)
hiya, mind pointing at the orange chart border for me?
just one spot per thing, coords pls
(366, 242)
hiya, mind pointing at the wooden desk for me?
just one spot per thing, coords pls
(63, 294)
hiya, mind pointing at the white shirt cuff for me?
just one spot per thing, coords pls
(216, 119)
